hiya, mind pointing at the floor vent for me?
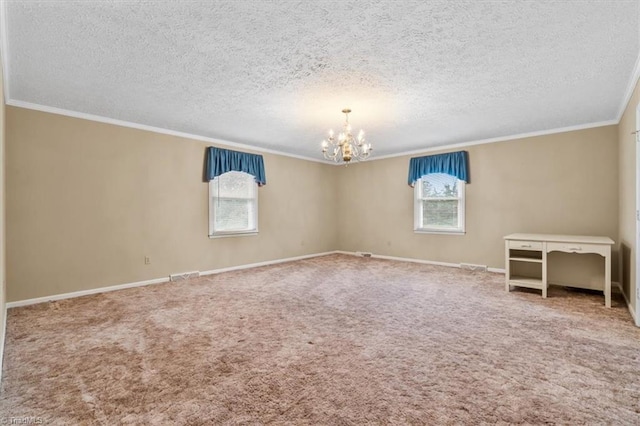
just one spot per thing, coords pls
(363, 253)
(184, 276)
(472, 267)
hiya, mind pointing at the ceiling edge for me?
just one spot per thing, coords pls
(122, 123)
(107, 120)
(630, 88)
(500, 139)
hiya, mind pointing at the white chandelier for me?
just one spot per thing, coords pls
(345, 147)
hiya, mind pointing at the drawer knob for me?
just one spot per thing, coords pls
(525, 245)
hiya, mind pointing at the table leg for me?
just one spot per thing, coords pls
(607, 279)
(545, 286)
(507, 263)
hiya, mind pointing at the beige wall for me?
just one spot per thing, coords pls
(561, 183)
(627, 194)
(87, 201)
(107, 196)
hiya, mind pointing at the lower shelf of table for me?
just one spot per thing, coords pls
(528, 282)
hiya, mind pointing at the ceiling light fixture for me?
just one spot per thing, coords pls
(345, 147)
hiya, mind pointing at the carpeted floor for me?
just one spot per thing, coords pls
(331, 340)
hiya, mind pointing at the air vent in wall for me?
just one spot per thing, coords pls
(184, 276)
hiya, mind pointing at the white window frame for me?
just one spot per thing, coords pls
(418, 226)
(212, 211)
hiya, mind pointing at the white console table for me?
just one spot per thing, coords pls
(533, 248)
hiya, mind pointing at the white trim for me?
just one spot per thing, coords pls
(234, 234)
(107, 120)
(413, 260)
(81, 293)
(499, 139)
(630, 88)
(408, 259)
(631, 311)
(265, 263)
(4, 338)
(4, 57)
(438, 232)
(150, 282)
(636, 260)
(4, 50)
(116, 122)
(348, 253)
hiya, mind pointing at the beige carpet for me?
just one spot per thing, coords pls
(331, 340)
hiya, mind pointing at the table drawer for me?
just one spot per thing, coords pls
(525, 245)
(577, 248)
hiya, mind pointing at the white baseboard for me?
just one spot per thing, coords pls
(414, 260)
(631, 311)
(266, 263)
(80, 293)
(98, 290)
(349, 253)
(4, 339)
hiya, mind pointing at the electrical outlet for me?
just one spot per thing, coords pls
(147, 260)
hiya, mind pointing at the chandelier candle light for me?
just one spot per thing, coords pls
(345, 147)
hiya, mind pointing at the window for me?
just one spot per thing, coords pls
(233, 208)
(439, 204)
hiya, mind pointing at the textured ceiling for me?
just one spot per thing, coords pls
(276, 74)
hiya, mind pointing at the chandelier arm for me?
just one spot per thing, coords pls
(355, 151)
(333, 155)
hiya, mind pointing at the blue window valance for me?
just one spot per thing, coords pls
(452, 163)
(221, 161)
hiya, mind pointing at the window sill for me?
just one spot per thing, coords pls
(233, 234)
(439, 232)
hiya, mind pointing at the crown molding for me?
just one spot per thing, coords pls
(122, 123)
(107, 120)
(498, 139)
(630, 88)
